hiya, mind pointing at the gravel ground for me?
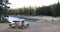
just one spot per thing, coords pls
(34, 27)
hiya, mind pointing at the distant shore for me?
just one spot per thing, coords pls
(44, 18)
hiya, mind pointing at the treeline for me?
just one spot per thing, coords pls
(52, 10)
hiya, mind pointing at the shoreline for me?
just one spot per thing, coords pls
(50, 18)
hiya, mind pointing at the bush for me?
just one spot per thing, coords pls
(4, 21)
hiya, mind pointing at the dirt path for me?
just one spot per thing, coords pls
(34, 27)
(3, 26)
(43, 28)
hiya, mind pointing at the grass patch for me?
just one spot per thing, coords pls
(11, 31)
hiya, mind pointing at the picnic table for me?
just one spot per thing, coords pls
(21, 22)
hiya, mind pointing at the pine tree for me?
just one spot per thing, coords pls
(57, 9)
(3, 8)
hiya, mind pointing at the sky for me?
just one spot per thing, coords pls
(26, 3)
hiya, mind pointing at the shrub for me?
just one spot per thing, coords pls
(4, 21)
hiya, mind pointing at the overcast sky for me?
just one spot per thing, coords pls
(37, 3)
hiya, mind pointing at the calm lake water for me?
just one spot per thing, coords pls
(15, 17)
(29, 19)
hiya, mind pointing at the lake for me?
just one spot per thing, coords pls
(10, 18)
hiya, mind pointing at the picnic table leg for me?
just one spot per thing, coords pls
(22, 26)
(16, 25)
(28, 25)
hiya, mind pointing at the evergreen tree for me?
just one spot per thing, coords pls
(57, 9)
(3, 8)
